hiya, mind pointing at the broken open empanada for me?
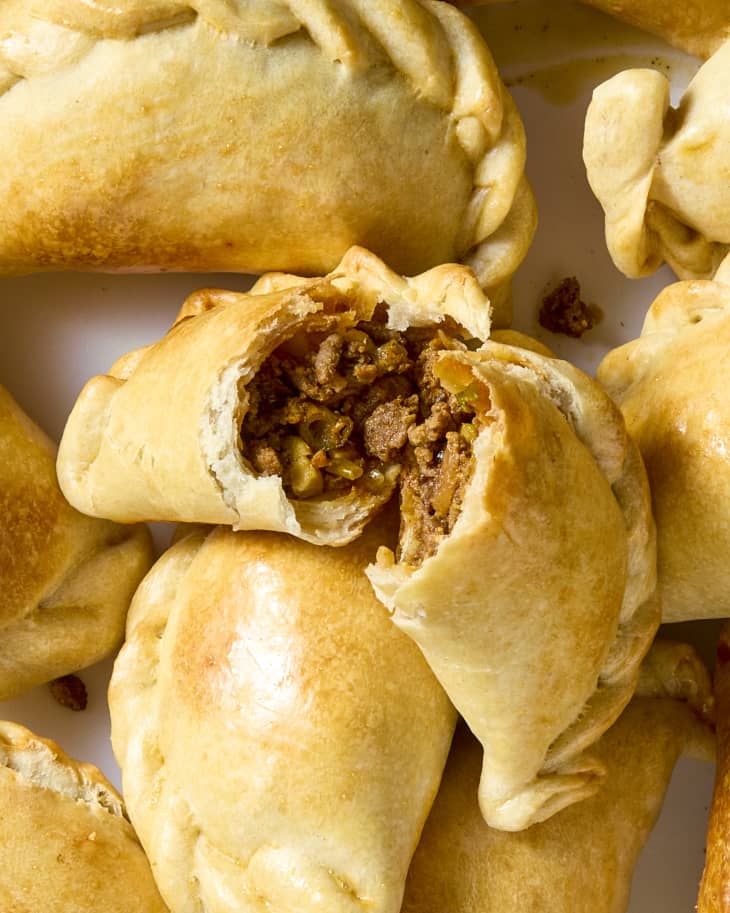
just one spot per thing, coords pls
(281, 742)
(67, 846)
(672, 386)
(582, 859)
(67, 579)
(661, 174)
(257, 135)
(534, 603)
(284, 409)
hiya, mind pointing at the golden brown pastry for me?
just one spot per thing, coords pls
(696, 26)
(283, 409)
(281, 741)
(582, 859)
(714, 896)
(270, 134)
(67, 846)
(671, 384)
(534, 600)
(67, 579)
(660, 173)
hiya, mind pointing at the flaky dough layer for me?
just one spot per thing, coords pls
(206, 135)
(535, 610)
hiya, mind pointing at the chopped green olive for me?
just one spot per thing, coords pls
(305, 480)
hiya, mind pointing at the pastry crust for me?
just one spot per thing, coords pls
(281, 741)
(158, 438)
(582, 859)
(67, 579)
(536, 609)
(67, 844)
(660, 173)
(696, 26)
(206, 135)
(714, 895)
(671, 384)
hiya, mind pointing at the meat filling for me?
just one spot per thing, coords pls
(333, 408)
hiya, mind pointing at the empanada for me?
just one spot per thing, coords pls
(714, 895)
(582, 859)
(535, 604)
(67, 846)
(661, 174)
(696, 26)
(281, 742)
(257, 135)
(67, 579)
(284, 409)
(672, 385)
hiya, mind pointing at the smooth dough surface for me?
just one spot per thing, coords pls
(255, 135)
(158, 437)
(67, 579)
(660, 173)
(672, 386)
(582, 859)
(535, 610)
(281, 742)
(67, 846)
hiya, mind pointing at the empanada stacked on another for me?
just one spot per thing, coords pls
(67, 579)
(582, 859)
(660, 173)
(266, 134)
(672, 385)
(67, 845)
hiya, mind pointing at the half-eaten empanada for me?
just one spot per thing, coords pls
(288, 408)
(582, 859)
(281, 742)
(672, 385)
(66, 579)
(67, 844)
(661, 174)
(257, 135)
(534, 603)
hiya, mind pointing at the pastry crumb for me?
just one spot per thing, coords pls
(563, 311)
(70, 692)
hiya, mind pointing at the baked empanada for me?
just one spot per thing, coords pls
(696, 26)
(714, 895)
(672, 386)
(281, 742)
(582, 859)
(661, 174)
(257, 135)
(67, 580)
(284, 409)
(535, 602)
(67, 846)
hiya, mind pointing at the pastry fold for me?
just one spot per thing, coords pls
(536, 604)
(281, 742)
(671, 384)
(67, 579)
(660, 173)
(257, 135)
(178, 430)
(67, 844)
(582, 859)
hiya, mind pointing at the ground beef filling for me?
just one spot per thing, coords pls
(333, 408)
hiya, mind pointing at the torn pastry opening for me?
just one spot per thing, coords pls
(345, 407)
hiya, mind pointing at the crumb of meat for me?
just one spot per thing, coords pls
(563, 311)
(70, 692)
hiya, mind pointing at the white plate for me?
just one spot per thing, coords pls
(57, 330)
